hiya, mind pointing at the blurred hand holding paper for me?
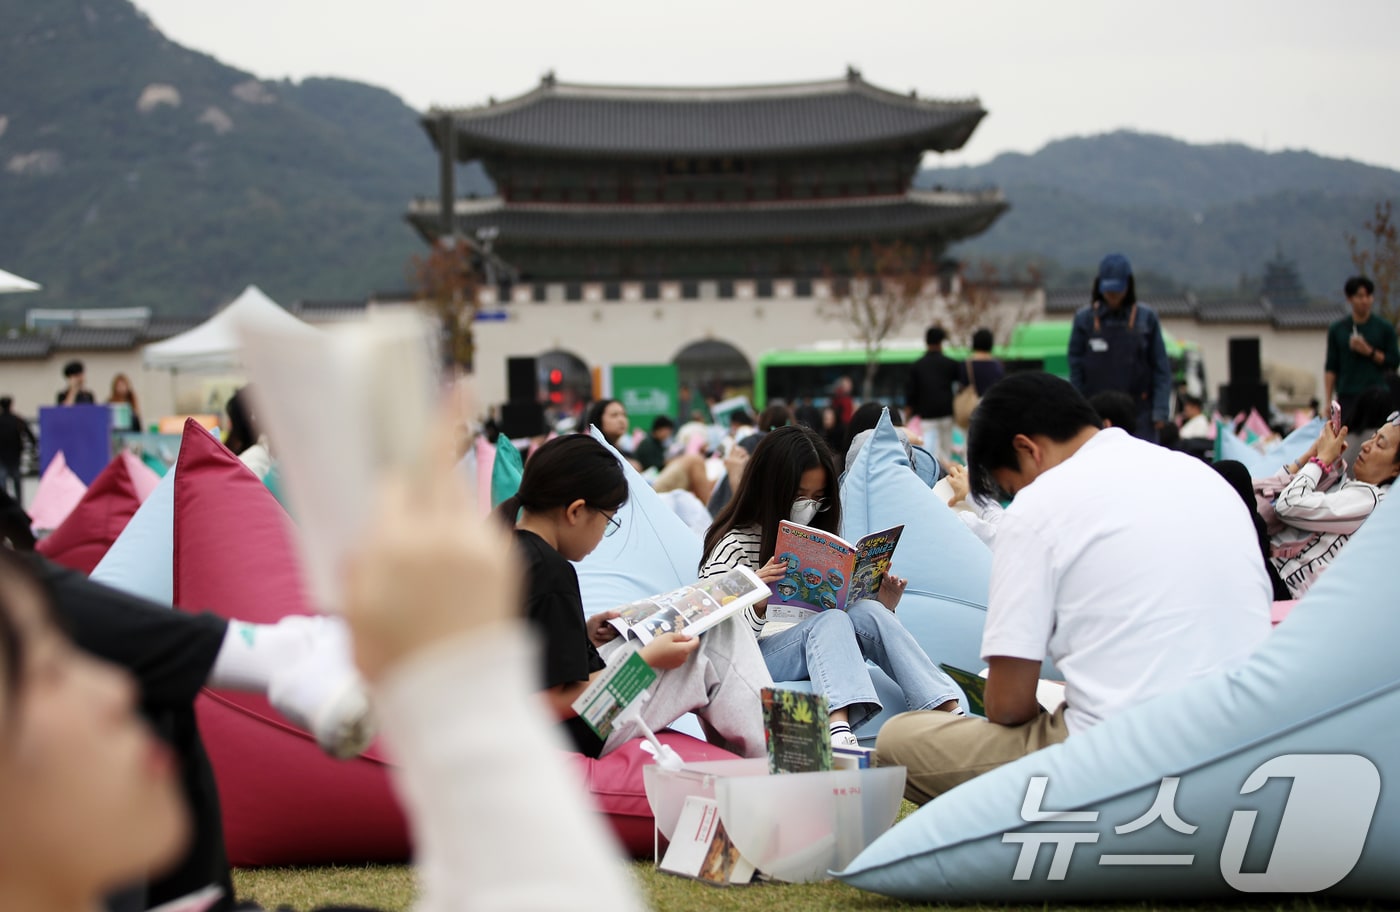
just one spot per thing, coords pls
(339, 407)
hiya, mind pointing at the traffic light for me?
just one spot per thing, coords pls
(556, 386)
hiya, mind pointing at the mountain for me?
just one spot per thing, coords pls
(1200, 216)
(136, 172)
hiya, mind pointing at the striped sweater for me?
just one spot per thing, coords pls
(741, 548)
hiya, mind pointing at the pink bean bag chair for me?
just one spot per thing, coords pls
(99, 517)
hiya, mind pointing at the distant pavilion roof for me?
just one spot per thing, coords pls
(581, 120)
(1211, 310)
(960, 214)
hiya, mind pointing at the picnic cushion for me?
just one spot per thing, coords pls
(60, 490)
(1302, 735)
(99, 517)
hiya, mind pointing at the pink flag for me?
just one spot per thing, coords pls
(60, 489)
(1257, 425)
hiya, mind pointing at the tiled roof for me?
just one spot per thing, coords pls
(89, 338)
(574, 119)
(1249, 311)
(165, 327)
(327, 310)
(1067, 301)
(1064, 302)
(954, 215)
(24, 347)
(1305, 318)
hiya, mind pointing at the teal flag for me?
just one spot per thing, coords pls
(506, 472)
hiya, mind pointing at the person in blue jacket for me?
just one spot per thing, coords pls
(1116, 344)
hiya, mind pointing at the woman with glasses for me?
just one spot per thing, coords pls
(792, 476)
(569, 498)
(1320, 507)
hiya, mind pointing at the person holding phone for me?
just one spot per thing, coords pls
(1361, 350)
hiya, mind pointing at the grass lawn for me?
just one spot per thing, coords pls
(390, 887)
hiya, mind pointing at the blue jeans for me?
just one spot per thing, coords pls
(831, 648)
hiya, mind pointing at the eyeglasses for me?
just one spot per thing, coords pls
(613, 523)
(822, 505)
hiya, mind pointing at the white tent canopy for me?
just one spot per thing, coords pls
(214, 344)
(11, 282)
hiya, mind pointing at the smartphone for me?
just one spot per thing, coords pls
(1335, 419)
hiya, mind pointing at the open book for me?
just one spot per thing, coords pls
(339, 406)
(694, 608)
(827, 572)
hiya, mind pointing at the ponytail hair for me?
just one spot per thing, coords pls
(566, 469)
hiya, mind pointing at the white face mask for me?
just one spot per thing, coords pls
(804, 510)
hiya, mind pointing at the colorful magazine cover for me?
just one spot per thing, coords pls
(827, 572)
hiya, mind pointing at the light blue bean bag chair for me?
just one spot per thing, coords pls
(1287, 770)
(652, 552)
(1262, 465)
(949, 569)
(141, 560)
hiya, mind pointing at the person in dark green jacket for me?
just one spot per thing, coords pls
(1361, 350)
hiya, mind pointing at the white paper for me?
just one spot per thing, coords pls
(339, 407)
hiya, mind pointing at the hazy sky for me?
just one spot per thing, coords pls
(1274, 74)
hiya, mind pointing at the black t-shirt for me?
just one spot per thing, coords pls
(929, 390)
(84, 397)
(555, 608)
(986, 372)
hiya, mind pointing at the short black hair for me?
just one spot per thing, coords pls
(935, 335)
(72, 368)
(982, 340)
(6, 402)
(1030, 403)
(1356, 283)
(1117, 408)
(662, 423)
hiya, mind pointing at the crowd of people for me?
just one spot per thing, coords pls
(1065, 480)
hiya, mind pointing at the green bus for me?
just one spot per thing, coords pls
(809, 372)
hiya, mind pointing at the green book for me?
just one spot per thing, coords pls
(796, 729)
(974, 685)
(613, 691)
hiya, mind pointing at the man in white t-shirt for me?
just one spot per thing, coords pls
(1134, 568)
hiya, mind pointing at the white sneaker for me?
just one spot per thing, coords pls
(321, 692)
(845, 739)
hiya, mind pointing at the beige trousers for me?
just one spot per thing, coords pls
(941, 751)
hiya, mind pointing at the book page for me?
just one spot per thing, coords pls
(339, 406)
(873, 555)
(820, 565)
(694, 608)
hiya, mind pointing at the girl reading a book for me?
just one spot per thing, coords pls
(570, 497)
(792, 476)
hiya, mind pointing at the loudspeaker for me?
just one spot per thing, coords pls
(1241, 397)
(522, 380)
(1244, 360)
(522, 419)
